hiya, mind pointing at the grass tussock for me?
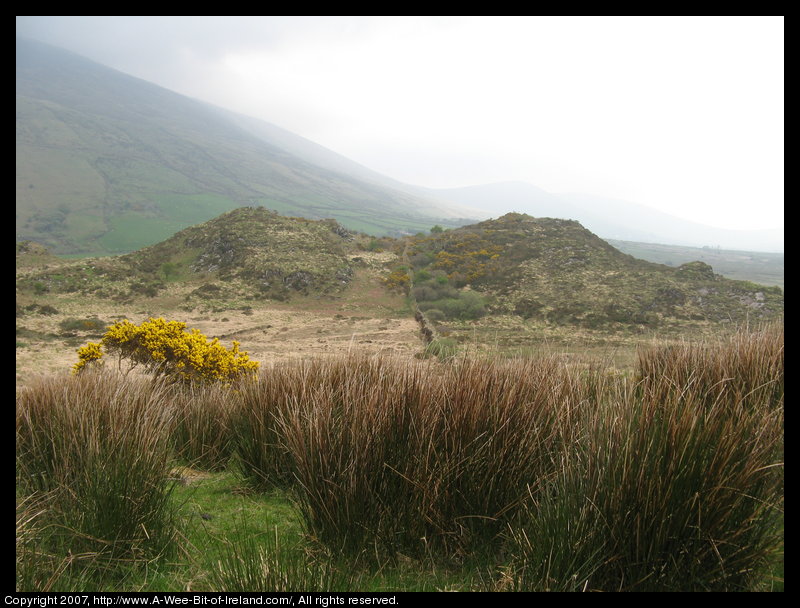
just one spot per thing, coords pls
(265, 562)
(203, 434)
(97, 452)
(546, 476)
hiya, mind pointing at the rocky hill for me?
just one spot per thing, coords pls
(247, 252)
(269, 254)
(557, 272)
(542, 272)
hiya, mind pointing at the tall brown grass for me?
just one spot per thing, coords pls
(556, 477)
(97, 450)
(202, 434)
(679, 482)
(670, 479)
(392, 457)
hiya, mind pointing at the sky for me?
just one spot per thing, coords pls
(682, 114)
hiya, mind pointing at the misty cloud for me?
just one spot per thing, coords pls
(680, 114)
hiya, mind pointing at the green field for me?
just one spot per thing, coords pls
(756, 266)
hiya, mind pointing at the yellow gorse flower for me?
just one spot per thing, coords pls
(89, 353)
(165, 348)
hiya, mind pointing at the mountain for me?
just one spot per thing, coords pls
(108, 163)
(608, 218)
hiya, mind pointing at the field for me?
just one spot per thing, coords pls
(756, 266)
(357, 461)
(416, 437)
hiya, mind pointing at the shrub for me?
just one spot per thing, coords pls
(434, 315)
(398, 279)
(468, 305)
(149, 289)
(164, 348)
(443, 348)
(88, 324)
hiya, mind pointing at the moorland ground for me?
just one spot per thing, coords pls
(364, 459)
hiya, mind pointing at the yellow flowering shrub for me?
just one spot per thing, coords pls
(398, 279)
(165, 348)
(90, 353)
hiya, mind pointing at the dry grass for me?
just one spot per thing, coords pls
(557, 476)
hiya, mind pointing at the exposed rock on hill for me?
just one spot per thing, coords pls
(559, 272)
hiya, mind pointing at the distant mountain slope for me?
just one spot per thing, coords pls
(608, 218)
(108, 163)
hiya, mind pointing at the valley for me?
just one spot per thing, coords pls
(292, 288)
(416, 397)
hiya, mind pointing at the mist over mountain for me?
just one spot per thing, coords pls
(108, 163)
(608, 218)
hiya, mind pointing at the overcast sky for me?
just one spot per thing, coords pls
(684, 114)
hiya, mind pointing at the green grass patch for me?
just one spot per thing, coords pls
(129, 232)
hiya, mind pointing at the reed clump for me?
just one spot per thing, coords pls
(96, 451)
(549, 476)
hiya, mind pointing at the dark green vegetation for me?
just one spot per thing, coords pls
(756, 266)
(107, 163)
(368, 473)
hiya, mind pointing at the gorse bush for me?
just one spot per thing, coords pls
(165, 348)
(88, 324)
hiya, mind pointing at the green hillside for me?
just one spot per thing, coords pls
(107, 163)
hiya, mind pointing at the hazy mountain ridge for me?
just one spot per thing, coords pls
(608, 218)
(109, 163)
(132, 163)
